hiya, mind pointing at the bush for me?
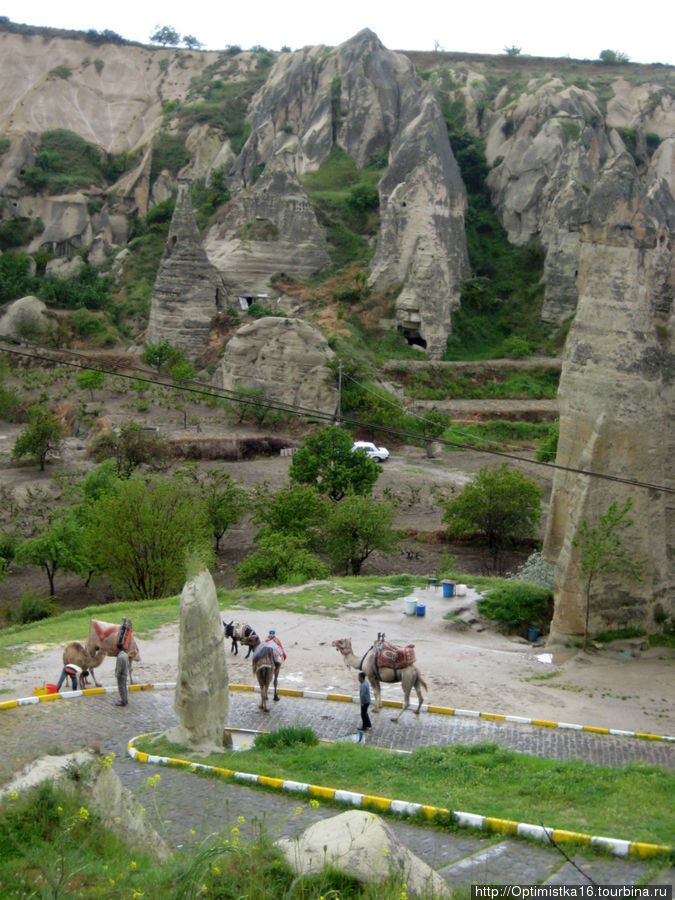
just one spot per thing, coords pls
(518, 605)
(286, 737)
(33, 608)
(280, 559)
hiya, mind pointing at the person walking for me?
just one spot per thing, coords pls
(122, 673)
(364, 694)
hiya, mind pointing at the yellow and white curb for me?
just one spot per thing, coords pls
(378, 804)
(346, 698)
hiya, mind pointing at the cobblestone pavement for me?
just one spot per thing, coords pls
(187, 803)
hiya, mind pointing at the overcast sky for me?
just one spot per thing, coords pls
(577, 28)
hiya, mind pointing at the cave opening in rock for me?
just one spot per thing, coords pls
(414, 338)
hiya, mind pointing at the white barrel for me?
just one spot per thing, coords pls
(460, 590)
(410, 606)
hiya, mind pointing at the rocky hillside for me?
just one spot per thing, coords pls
(444, 201)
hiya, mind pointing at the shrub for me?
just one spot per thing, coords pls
(33, 608)
(286, 737)
(536, 570)
(517, 605)
(280, 558)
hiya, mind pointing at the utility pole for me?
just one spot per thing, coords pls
(338, 411)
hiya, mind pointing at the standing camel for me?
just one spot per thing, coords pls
(76, 652)
(410, 676)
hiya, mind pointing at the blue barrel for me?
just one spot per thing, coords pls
(448, 588)
(532, 634)
(421, 609)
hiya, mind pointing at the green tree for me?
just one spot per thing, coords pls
(182, 374)
(326, 460)
(90, 380)
(62, 546)
(191, 42)
(512, 50)
(357, 527)
(500, 505)
(141, 534)
(611, 57)
(280, 559)
(165, 34)
(601, 551)
(162, 354)
(131, 448)
(296, 509)
(225, 502)
(42, 437)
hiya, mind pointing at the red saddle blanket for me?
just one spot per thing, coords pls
(389, 656)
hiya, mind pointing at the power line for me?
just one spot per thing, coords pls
(204, 389)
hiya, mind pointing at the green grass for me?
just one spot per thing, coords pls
(441, 384)
(500, 432)
(632, 802)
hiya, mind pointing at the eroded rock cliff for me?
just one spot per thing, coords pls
(617, 404)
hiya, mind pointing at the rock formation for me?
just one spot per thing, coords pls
(202, 699)
(366, 99)
(23, 316)
(365, 848)
(616, 403)
(101, 791)
(286, 358)
(271, 227)
(187, 290)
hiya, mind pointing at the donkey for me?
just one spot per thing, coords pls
(241, 634)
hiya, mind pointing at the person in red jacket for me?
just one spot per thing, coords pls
(273, 639)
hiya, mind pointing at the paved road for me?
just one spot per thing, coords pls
(188, 803)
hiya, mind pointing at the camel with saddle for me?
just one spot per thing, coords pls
(104, 636)
(384, 662)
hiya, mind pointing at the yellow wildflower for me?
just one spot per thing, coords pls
(83, 813)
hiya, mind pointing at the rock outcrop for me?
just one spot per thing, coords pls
(188, 289)
(287, 359)
(23, 316)
(617, 404)
(91, 775)
(366, 99)
(363, 847)
(270, 227)
(202, 698)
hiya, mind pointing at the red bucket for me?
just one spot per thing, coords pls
(51, 688)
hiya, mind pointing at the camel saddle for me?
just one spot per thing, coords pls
(389, 656)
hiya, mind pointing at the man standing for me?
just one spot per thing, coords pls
(122, 673)
(364, 694)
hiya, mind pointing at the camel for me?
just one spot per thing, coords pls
(266, 664)
(76, 653)
(410, 676)
(105, 636)
(242, 634)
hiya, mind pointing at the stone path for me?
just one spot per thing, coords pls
(189, 807)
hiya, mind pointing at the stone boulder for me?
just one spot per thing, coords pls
(269, 228)
(100, 790)
(365, 848)
(287, 358)
(617, 404)
(25, 313)
(202, 697)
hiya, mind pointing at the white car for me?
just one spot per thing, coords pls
(379, 454)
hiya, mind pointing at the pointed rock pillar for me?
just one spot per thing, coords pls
(188, 289)
(202, 697)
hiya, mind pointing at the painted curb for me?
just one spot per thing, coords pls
(372, 802)
(345, 698)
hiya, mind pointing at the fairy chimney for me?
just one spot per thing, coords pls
(188, 289)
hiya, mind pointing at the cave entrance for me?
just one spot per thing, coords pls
(414, 339)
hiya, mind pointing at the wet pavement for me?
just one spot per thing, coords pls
(187, 808)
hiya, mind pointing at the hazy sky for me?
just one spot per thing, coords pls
(576, 28)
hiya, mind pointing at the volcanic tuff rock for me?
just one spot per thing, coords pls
(364, 99)
(617, 403)
(188, 290)
(287, 358)
(271, 227)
